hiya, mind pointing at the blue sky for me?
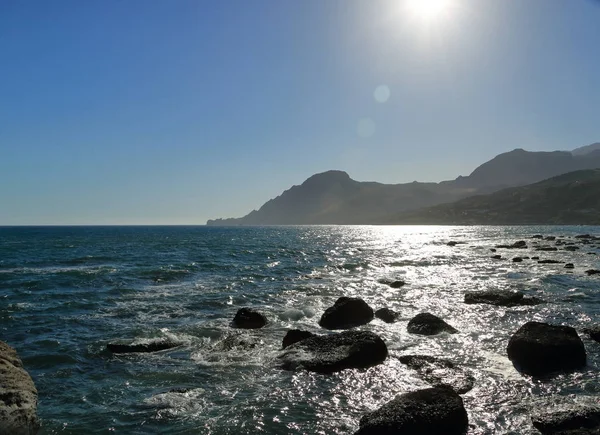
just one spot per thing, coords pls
(174, 112)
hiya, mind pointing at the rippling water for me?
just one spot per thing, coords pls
(66, 292)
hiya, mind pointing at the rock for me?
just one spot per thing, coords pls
(235, 342)
(535, 258)
(248, 318)
(549, 262)
(387, 315)
(393, 283)
(517, 260)
(584, 236)
(537, 236)
(294, 336)
(493, 249)
(428, 324)
(346, 313)
(569, 266)
(505, 298)
(334, 352)
(452, 243)
(593, 332)
(439, 372)
(153, 346)
(496, 257)
(547, 248)
(592, 272)
(539, 349)
(521, 244)
(571, 248)
(433, 411)
(18, 395)
(550, 238)
(577, 420)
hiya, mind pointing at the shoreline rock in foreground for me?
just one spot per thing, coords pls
(428, 324)
(346, 313)
(18, 395)
(576, 420)
(335, 352)
(249, 318)
(539, 349)
(433, 411)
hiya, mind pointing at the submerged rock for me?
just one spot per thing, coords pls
(433, 411)
(517, 260)
(539, 349)
(249, 318)
(346, 313)
(294, 336)
(592, 272)
(577, 420)
(547, 248)
(334, 352)
(387, 315)
(235, 341)
(496, 257)
(569, 266)
(505, 298)
(550, 262)
(393, 283)
(521, 244)
(18, 395)
(153, 346)
(439, 372)
(428, 324)
(593, 332)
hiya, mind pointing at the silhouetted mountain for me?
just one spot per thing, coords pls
(520, 167)
(581, 151)
(567, 199)
(333, 197)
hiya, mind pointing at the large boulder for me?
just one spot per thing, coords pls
(505, 298)
(334, 352)
(576, 420)
(18, 395)
(248, 318)
(433, 411)
(428, 324)
(439, 372)
(539, 349)
(294, 336)
(346, 313)
(151, 346)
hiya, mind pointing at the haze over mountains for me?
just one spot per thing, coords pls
(333, 197)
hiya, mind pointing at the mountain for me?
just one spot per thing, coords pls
(568, 199)
(333, 197)
(581, 151)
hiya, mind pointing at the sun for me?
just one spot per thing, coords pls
(428, 10)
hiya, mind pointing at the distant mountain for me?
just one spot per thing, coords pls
(586, 149)
(568, 199)
(333, 197)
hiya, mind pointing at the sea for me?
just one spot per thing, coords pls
(66, 292)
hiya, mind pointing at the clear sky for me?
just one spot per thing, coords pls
(173, 112)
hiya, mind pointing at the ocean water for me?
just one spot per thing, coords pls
(65, 292)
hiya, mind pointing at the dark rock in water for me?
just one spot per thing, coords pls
(153, 346)
(248, 318)
(493, 249)
(593, 332)
(592, 272)
(550, 238)
(547, 248)
(505, 298)
(550, 262)
(584, 236)
(393, 284)
(539, 349)
(571, 248)
(496, 257)
(428, 324)
(18, 395)
(517, 260)
(521, 244)
(387, 315)
(294, 336)
(334, 352)
(235, 341)
(433, 411)
(439, 372)
(569, 266)
(452, 243)
(535, 258)
(577, 420)
(537, 236)
(346, 313)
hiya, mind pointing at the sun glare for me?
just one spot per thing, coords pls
(428, 10)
